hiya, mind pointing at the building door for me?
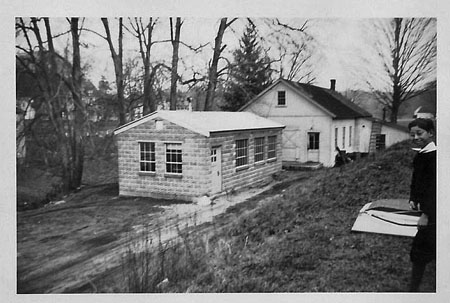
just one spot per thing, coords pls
(313, 146)
(292, 144)
(216, 169)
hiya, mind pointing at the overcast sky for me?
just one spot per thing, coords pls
(340, 44)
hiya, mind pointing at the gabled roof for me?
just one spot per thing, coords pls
(331, 101)
(205, 123)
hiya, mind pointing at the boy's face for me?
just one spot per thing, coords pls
(420, 136)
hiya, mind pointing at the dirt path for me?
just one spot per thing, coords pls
(63, 248)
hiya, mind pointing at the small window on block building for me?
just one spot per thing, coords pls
(174, 161)
(241, 152)
(271, 147)
(147, 160)
(259, 149)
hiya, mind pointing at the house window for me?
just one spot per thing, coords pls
(349, 136)
(313, 141)
(174, 163)
(272, 147)
(241, 152)
(336, 137)
(259, 149)
(380, 142)
(147, 161)
(343, 137)
(281, 98)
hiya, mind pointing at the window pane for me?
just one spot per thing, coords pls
(147, 156)
(271, 147)
(313, 140)
(281, 98)
(259, 149)
(241, 152)
(173, 158)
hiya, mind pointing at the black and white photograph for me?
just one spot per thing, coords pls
(194, 151)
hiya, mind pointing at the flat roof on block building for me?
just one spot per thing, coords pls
(207, 122)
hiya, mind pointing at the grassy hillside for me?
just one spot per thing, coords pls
(300, 240)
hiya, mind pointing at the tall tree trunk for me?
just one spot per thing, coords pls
(212, 75)
(55, 107)
(145, 45)
(117, 58)
(79, 110)
(174, 73)
(396, 54)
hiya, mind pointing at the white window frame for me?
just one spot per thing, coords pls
(281, 95)
(350, 136)
(241, 152)
(272, 147)
(343, 137)
(173, 166)
(144, 160)
(315, 142)
(259, 149)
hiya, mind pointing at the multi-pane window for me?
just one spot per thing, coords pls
(147, 159)
(174, 161)
(281, 98)
(213, 155)
(259, 149)
(336, 137)
(343, 137)
(313, 141)
(349, 136)
(241, 152)
(271, 147)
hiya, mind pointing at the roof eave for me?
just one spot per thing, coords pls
(133, 123)
(248, 129)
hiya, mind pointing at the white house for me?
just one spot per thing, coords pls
(318, 120)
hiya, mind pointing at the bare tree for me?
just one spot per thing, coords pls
(407, 52)
(65, 111)
(175, 39)
(295, 49)
(144, 33)
(117, 57)
(79, 110)
(213, 73)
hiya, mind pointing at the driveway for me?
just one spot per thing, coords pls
(66, 245)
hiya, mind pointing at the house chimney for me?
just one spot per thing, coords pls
(333, 84)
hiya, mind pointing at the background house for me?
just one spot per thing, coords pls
(185, 154)
(422, 105)
(318, 120)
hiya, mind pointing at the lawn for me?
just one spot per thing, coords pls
(300, 240)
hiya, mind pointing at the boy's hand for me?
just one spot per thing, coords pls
(423, 221)
(414, 205)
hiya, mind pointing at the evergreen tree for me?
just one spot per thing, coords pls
(250, 72)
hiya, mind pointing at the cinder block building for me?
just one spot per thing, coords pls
(184, 154)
